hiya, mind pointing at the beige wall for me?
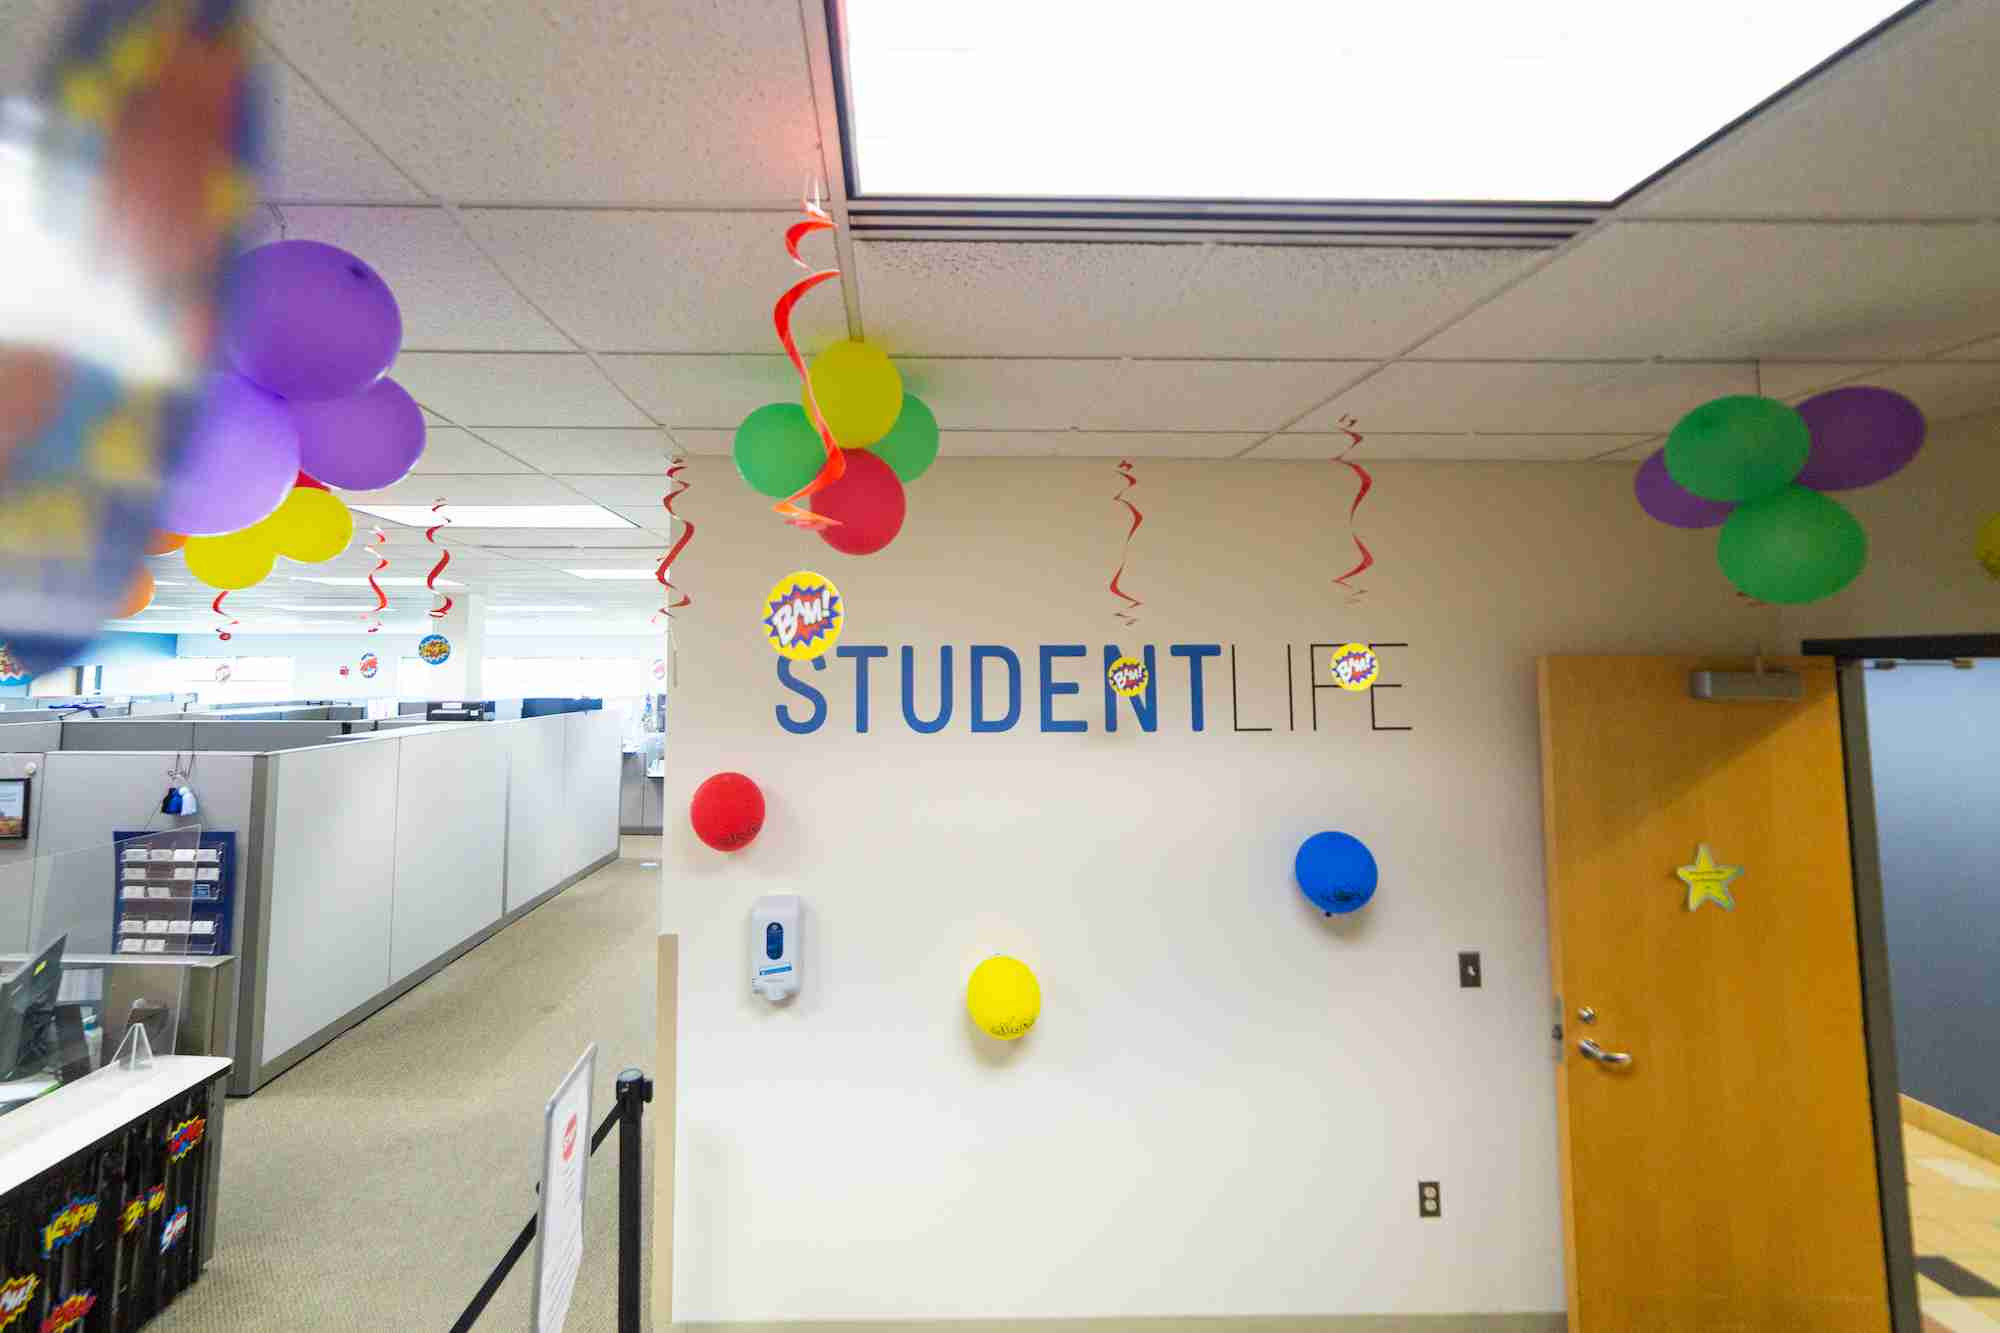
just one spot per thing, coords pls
(1229, 1100)
(1921, 576)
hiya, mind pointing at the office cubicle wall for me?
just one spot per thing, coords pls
(200, 735)
(31, 736)
(383, 857)
(451, 842)
(82, 798)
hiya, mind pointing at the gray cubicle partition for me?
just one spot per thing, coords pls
(382, 858)
(363, 864)
(30, 735)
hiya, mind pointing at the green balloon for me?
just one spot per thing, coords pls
(777, 450)
(911, 445)
(1738, 448)
(1795, 546)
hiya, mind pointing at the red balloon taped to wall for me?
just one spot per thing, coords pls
(868, 503)
(727, 812)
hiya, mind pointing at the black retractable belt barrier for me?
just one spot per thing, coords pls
(635, 1090)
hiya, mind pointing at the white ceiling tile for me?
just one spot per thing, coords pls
(1944, 389)
(545, 101)
(974, 394)
(426, 488)
(1795, 381)
(450, 296)
(1528, 398)
(1746, 291)
(1122, 394)
(1902, 128)
(313, 153)
(537, 541)
(653, 517)
(615, 491)
(450, 450)
(713, 392)
(706, 441)
(524, 389)
(662, 282)
(1055, 299)
(578, 450)
(1989, 350)
(1093, 444)
(1449, 447)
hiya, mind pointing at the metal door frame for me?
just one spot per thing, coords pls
(1851, 658)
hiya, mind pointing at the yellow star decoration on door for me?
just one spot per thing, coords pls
(1708, 881)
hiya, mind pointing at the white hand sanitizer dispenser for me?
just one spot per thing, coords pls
(774, 946)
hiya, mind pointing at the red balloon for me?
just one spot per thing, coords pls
(309, 483)
(868, 501)
(727, 812)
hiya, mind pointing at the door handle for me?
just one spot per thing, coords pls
(1592, 1051)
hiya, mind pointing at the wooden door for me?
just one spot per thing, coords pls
(1725, 1179)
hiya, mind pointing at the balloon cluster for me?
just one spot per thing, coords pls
(309, 334)
(887, 437)
(1760, 468)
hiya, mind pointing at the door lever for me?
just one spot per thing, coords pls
(1592, 1051)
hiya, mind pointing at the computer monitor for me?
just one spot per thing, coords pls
(28, 1012)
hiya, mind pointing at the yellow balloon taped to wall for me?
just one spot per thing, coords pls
(311, 526)
(231, 562)
(1003, 997)
(859, 391)
(1988, 549)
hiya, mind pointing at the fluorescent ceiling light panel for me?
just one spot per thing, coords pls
(500, 516)
(633, 574)
(1306, 99)
(362, 582)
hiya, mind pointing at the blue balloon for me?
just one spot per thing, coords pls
(1336, 871)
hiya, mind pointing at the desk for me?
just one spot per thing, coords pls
(108, 1191)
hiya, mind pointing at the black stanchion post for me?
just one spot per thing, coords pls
(634, 1091)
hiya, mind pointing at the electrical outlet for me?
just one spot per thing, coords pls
(1468, 969)
(1430, 1202)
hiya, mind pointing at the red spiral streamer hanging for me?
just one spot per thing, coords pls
(1355, 594)
(816, 219)
(668, 604)
(222, 631)
(1124, 613)
(374, 548)
(430, 580)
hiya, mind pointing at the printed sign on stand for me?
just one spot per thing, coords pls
(565, 1174)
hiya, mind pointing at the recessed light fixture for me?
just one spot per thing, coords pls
(362, 582)
(632, 574)
(1421, 100)
(500, 516)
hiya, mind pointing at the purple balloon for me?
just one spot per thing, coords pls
(309, 321)
(361, 443)
(238, 464)
(1860, 434)
(1665, 499)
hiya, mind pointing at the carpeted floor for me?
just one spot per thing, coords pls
(376, 1184)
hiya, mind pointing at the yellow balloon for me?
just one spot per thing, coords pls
(1003, 997)
(1988, 549)
(860, 392)
(312, 526)
(231, 562)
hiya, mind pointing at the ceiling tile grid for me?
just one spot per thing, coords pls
(520, 389)
(661, 281)
(1525, 398)
(565, 103)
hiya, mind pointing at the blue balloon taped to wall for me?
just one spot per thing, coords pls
(1336, 871)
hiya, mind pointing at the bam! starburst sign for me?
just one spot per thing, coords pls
(803, 615)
